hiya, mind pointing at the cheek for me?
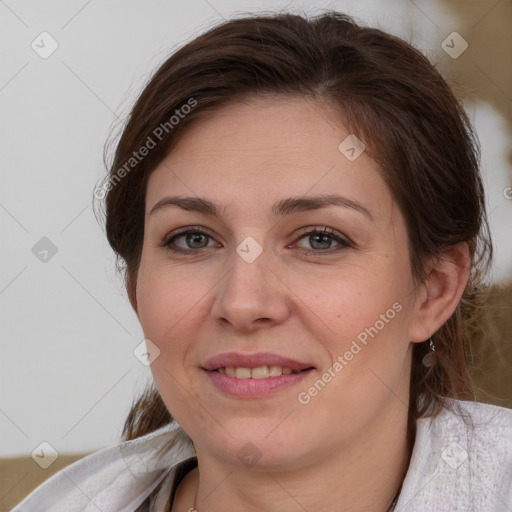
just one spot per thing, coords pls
(368, 351)
(173, 306)
(163, 318)
(165, 300)
(168, 310)
(367, 340)
(347, 304)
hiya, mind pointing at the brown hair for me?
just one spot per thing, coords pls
(385, 91)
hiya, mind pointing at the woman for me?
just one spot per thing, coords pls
(299, 211)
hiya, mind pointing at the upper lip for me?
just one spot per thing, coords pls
(236, 360)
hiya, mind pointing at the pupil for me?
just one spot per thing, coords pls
(325, 238)
(194, 237)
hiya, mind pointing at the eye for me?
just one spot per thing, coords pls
(321, 239)
(191, 239)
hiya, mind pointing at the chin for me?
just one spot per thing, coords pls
(260, 445)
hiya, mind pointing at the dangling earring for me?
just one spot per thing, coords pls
(430, 358)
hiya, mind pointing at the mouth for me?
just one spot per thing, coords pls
(254, 375)
(257, 366)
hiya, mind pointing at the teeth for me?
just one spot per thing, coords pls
(243, 373)
(277, 371)
(261, 372)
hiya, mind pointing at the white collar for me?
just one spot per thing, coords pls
(455, 466)
(115, 479)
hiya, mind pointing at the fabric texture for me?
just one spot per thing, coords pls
(461, 462)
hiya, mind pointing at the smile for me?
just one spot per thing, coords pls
(256, 375)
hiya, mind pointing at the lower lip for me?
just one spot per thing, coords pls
(254, 388)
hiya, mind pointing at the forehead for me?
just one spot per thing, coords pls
(261, 129)
(261, 150)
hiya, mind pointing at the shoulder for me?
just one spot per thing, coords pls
(483, 431)
(482, 424)
(461, 461)
(481, 413)
(114, 478)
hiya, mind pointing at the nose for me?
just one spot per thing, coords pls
(250, 296)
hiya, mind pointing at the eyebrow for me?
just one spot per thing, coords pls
(279, 209)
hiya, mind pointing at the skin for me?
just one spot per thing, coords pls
(347, 445)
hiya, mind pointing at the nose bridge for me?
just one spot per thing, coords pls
(249, 292)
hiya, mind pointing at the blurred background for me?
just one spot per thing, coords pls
(70, 72)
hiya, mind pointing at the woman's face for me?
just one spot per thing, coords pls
(256, 287)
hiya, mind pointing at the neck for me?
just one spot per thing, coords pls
(345, 480)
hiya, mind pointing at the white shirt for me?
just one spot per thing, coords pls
(454, 467)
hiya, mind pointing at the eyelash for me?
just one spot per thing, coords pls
(345, 243)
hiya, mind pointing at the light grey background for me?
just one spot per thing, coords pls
(67, 369)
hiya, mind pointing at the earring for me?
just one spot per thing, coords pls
(430, 358)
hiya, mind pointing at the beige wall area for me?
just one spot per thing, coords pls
(484, 76)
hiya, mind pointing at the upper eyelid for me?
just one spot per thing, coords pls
(320, 229)
(186, 230)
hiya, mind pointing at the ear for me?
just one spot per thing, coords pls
(441, 292)
(131, 289)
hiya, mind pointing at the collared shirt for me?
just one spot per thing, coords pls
(461, 462)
